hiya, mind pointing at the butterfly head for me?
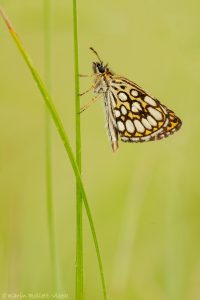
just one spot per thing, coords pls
(99, 67)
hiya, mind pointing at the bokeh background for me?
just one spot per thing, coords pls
(145, 198)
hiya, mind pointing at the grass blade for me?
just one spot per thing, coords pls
(79, 225)
(57, 121)
(50, 210)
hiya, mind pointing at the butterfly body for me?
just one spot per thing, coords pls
(131, 112)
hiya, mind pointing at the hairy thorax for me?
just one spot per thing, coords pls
(101, 83)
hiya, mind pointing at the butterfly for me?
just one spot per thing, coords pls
(131, 113)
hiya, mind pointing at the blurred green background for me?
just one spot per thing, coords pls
(144, 198)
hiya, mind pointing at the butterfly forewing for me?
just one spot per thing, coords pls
(140, 117)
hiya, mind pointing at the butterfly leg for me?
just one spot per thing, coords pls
(82, 75)
(89, 103)
(92, 87)
(81, 94)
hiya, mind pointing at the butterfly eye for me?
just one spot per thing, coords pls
(101, 68)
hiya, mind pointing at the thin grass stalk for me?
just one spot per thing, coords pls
(48, 163)
(79, 221)
(64, 137)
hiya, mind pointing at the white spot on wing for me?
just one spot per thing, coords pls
(137, 104)
(146, 123)
(155, 113)
(120, 126)
(134, 93)
(129, 126)
(139, 126)
(149, 100)
(123, 110)
(146, 138)
(122, 96)
(117, 113)
(151, 121)
(166, 122)
(136, 139)
(136, 107)
(124, 138)
(165, 111)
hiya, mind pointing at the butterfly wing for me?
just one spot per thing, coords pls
(140, 117)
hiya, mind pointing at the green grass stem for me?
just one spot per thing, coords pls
(79, 221)
(48, 162)
(63, 135)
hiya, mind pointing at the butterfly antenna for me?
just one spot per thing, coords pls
(95, 52)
